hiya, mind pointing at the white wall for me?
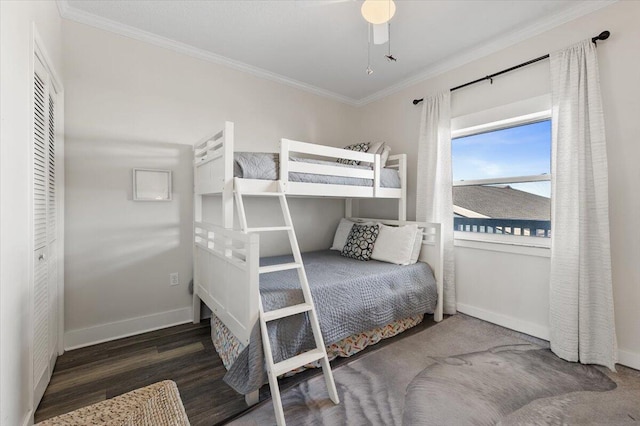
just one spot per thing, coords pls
(504, 286)
(131, 104)
(17, 18)
(507, 295)
(120, 252)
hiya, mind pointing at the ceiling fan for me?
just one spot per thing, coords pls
(377, 13)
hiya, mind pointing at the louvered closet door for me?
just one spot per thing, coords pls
(52, 233)
(44, 231)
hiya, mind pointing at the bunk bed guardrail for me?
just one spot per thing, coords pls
(213, 161)
(289, 146)
(226, 276)
(310, 150)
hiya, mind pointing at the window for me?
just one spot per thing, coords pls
(502, 177)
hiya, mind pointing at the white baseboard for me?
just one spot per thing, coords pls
(79, 338)
(626, 358)
(629, 359)
(506, 321)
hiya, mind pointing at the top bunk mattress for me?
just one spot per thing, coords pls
(265, 165)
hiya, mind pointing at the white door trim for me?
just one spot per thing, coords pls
(39, 53)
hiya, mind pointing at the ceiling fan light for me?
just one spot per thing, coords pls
(378, 11)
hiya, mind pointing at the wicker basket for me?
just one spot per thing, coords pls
(154, 405)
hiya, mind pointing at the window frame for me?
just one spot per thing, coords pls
(529, 111)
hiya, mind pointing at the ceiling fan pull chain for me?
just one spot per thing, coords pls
(389, 31)
(390, 57)
(369, 29)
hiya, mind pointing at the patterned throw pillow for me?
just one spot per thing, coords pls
(360, 147)
(360, 242)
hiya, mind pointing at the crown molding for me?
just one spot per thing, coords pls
(542, 25)
(580, 9)
(73, 14)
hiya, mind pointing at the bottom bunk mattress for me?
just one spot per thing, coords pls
(350, 297)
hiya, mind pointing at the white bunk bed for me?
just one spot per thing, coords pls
(226, 261)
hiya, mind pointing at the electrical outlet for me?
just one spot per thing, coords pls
(174, 279)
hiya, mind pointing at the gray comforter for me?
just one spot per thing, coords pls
(350, 296)
(262, 165)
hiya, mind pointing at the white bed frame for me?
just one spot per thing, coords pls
(226, 261)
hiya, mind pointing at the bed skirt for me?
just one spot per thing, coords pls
(229, 347)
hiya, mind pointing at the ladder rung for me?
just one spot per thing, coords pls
(286, 312)
(279, 267)
(270, 228)
(262, 194)
(297, 361)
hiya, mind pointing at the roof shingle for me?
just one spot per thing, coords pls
(502, 202)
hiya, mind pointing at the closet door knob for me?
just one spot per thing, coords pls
(41, 257)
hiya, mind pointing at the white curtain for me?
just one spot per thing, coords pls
(434, 200)
(581, 296)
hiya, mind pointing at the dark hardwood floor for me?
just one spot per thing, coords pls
(184, 354)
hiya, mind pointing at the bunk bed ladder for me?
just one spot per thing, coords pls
(319, 353)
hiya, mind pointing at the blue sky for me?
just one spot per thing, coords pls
(517, 151)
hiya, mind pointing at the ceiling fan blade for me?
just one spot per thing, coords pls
(319, 3)
(380, 33)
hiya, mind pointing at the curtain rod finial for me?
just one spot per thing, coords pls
(602, 36)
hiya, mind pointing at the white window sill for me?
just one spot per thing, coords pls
(515, 244)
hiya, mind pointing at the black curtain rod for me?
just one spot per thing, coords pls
(602, 36)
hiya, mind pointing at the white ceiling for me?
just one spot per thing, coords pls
(322, 45)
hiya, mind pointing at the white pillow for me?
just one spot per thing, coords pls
(395, 244)
(342, 232)
(384, 154)
(417, 246)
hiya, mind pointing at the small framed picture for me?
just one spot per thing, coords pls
(151, 185)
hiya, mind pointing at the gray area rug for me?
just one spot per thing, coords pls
(463, 371)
